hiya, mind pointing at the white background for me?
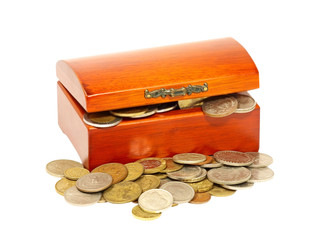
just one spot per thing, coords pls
(281, 36)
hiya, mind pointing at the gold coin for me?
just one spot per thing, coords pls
(147, 182)
(122, 192)
(245, 103)
(202, 186)
(219, 191)
(135, 170)
(139, 213)
(130, 112)
(190, 103)
(152, 165)
(151, 110)
(117, 171)
(171, 166)
(94, 182)
(160, 175)
(219, 106)
(57, 167)
(189, 158)
(75, 173)
(200, 198)
(63, 184)
(101, 119)
(78, 198)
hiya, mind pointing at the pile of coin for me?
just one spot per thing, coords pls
(157, 184)
(218, 106)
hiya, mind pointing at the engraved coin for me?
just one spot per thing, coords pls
(78, 198)
(57, 167)
(202, 186)
(207, 161)
(75, 173)
(191, 103)
(233, 158)
(139, 213)
(94, 182)
(187, 172)
(213, 164)
(181, 192)
(219, 191)
(155, 200)
(63, 184)
(117, 171)
(202, 176)
(147, 182)
(200, 198)
(101, 119)
(151, 110)
(260, 174)
(229, 175)
(260, 159)
(240, 186)
(166, 107)
(122, 192)
(189, 158)
(245, 103)
(130, 112)
(152, 165)
(135, 170)
(171, 166)
(219, 106)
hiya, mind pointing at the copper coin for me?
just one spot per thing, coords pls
(200, 198)
(260, 159)
(229, 175)
(171, 166)
(233, 158)
(187, 172)
(219, 106)
(117, 171)
(152, 165)
(245, 103)
(94, 182)
(101, 119)
(189, 158)
(207, 161)
(260, 174)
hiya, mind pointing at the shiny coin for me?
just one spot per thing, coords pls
(160, 175)
(240, 186)
(151, 110)
(78, 198)
(202, 186)
(181, 192)
(63, 184)
(219, 191)
(155, 200)
(190, 103)
(187, 172)
(213, 164)
(101, 119)
(94, 182)
(166, 107)
(245, 103)
(219, 106)
(152, 165)
(260, 174)
(207, 161)
(229, 175)
(200, 198)
(117, 171)
(122, 192)
(139, 213)
(260, 159)
(57, 167)
(130, 112)
(233, 158)
(202, 176)
(189, 158)
(147, 182)
(135, 170)
(75, 173)
(171, 166)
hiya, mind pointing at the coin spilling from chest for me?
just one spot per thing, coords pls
(181, 192)
(152, 109)
(229, 175)
(220, 106)
(245, 103)
(155, 200)
(208, 160)
(78, 198)
(187, 172)
(189, 158)
(122, 192)
(219, 191)
(202, 186)
(147, 182)
(240, 186)
(75, 173)
(101, 119)
(260, 159)
(139, 213)
(135, 170)
(94, 182)
(63, 184)
(233, 158)
(200, 198)
(130, 112)
(152, 165)
(171, 166)
(190, 103)
(166, 107)
(117, 171)
(202, 176)
(58, 167)
(260, 174)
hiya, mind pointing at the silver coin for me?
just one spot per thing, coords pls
(181, 192)
(166, 107)
(109, 121)
(240, 186)
(260, 174)
(199, 178)
(155, 200)
(260, 159)
(151, 110)
(94, 182)
(58, 167)
(164, 180)
(78, 198)
(189, 158)
(229, 175)
(187, 172)
(245, 103)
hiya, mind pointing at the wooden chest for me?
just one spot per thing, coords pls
(153, 76)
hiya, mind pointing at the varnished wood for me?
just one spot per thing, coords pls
(119, 80)
(160, 135)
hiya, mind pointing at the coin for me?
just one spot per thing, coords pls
(229, 175)
(260, 159)
(233, 158)
(202, 176)
(166, 107)
(219, 106)
(189, 158)
(152, 165)
(187, 172)
(63, 184)
(260, 174)
(57, 167)
(130, 112)
(200, 198)
(101, 119)
(122, 192)
(202, 186)
(207, 161)
(164, 180)
(160, 175)
(219, 191)
(94, 182)
(190, 103)
(171, 166)
(135, 170)
(147, 182)
(213, 164)
(245, 103)
(155, 200)
(240, 186)
(117, 171)
(78, 198)
(139, 213)
(75, 173)
(151, 110)
(181, 192)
